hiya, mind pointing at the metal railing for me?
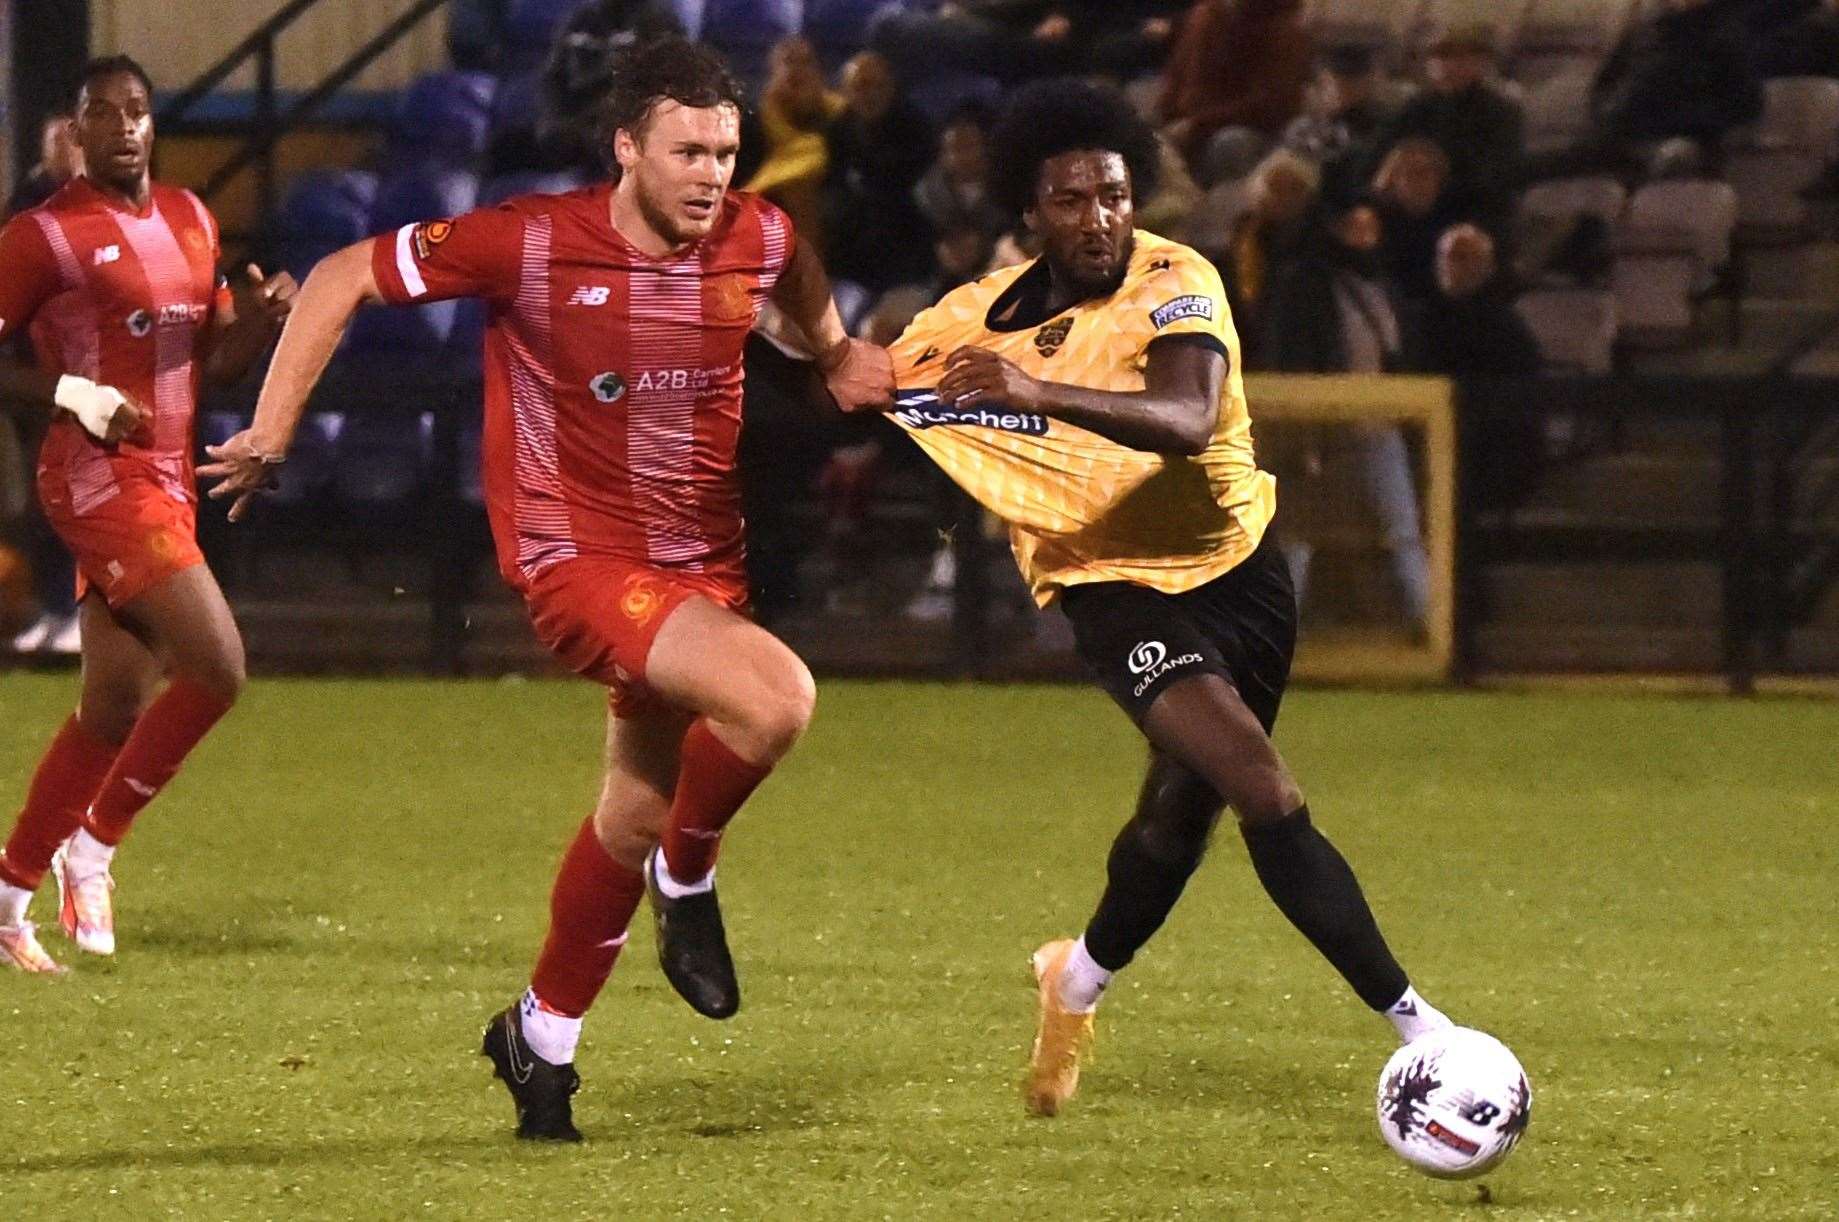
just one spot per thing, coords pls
(270, 124)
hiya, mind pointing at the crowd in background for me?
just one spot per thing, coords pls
(1360, 200)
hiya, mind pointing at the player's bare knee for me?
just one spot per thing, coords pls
(779, 712)
(110, 710)
(628, 825)
(1271, 798)
(222, 671)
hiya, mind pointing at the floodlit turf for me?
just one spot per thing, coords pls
(1638, 895)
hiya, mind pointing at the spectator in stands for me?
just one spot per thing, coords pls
(1686, 71)
(1264, 241)
(880, 144)
(1012, 40)
(1479, 128)
(53, 572)
(1807, 45)
(1416, 206)
(1016, 40)
(1468, 330)
(796, 107)
(59, 160)
(1332, 311)
(579, 69)
(1343, 114)
(1234, 63)
(954, 194)
(1124, 39)
(1467, 327)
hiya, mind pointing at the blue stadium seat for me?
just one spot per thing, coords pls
(445, 117)
(939, 94)
(839, 28)
(746, 30)
(418, 194)
(531, 25)
(533, 182)
(324, 210)
(382, 459)
(519, 103)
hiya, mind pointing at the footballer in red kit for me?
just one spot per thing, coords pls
(613, 374)
(114, 279)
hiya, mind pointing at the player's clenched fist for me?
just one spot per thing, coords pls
(269, 296)
(974, 375)
(859, 376)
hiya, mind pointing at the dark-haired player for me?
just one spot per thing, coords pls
(115, 280)
(1092, 399)
(612, 412)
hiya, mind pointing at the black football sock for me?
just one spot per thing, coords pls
(1312, 884)
(1145, 876)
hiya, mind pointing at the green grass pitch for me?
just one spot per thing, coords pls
(1639, 895)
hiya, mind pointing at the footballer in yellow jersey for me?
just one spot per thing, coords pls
(1084, 507)
(1092, 399)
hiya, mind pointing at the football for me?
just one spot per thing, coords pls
(1454, 1103)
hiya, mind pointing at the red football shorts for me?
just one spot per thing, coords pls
(600, 616)
(127, 535)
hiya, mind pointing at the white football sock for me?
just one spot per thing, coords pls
(1082, 981)
(550, 1035)
(86, 854)
(13, 901)
(1412, 1017)
(673, 889)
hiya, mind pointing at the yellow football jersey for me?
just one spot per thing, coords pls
(1079, 507)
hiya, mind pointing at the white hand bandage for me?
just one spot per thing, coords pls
(93, 405)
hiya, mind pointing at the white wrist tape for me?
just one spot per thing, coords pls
(93, 405)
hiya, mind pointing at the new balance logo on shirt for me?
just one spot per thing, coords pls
(106, 254)
(590, 295)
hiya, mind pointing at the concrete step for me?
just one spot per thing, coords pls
(1669, 595)
(1520, 648)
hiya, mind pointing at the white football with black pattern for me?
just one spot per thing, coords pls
(1454, 1103)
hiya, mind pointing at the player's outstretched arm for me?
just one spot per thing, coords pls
(1175, 412)
(858, 374)
(258, 306)
(337, 286)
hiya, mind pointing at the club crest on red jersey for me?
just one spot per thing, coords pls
(608, 387)
(430, 234)
(139, 324)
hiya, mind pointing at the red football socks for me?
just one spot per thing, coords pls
(67, 780)
(712, 783)
(162, 738)
(592, 903)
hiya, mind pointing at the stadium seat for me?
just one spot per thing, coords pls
(1566, 37)
(1557, 111)
(839, 28)
(382, 459)
(1655, 275)
(1362, 23)
(324, 210)
(1782, 154)
(1576, 328)
(445, 117)
(1549, 212)
(1503, 17)
(938, 95)
(532, 182)
(747, 30)
(1595, 195)
(419, 194)
(1704, 208)
(531, 25)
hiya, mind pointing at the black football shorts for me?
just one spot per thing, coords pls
(1241, 625)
